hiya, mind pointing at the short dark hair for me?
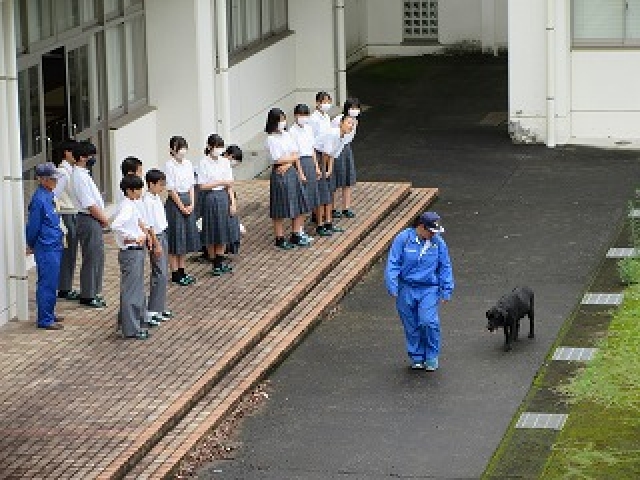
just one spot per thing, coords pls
(83, 149)
(350, 103)
(214, 141)
(301, 109)
(130, 165)
(273, 118)
(154, 176)
(66, 145)
(234, 152)
(176, 143)
(131, 182)
(320, 96)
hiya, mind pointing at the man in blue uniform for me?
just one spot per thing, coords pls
(420, 276)
(44, 240)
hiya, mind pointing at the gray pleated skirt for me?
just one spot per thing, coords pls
(234, 233)
(286, 195)
(215, 217)
(311, 187)
(325, 185)
(344, 168)
(182, 232)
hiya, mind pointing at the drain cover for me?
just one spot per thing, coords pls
(572, 354)
(602, 299)
(550, 421)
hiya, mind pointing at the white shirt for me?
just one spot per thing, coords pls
(126, 224)
(320, 123)
(331, 143)
(336, 123)
(63, 191)
(214, 170)
(85, 192)
(303, 136)
(155, 216)
(280, 145)
(179, 175)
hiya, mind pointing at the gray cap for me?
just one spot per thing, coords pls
(47, 170)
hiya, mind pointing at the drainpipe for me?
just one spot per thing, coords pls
(341, 54)
(222, 46)
(551, 74)
(19, 275)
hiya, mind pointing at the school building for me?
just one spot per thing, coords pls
(129, 74)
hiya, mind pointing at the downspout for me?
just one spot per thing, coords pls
(341, 54)
(222, 47)
(551, 74)
(19, 274)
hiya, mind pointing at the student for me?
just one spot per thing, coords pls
(182, 233)
(330, 145)
(320, 120)
(63, 193)
(131, 240)
(287, 198)
(234, 154)
(302, 133)
(44, 240)
(344, 169)
(156, 220)
(91, 220)
(215, 182)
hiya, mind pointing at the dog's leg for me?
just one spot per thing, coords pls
(507, 337)
(531, 333)
(517, 331)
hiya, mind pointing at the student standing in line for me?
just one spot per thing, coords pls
(287, 198)
(91, 220)
(302, 133)
(234, 154)
(44, 240)
(131, 240)
(156, 219)
(320, 120)
(64, 194)
(215, 182)
(330, 146)
(344, 168)
(182, 232)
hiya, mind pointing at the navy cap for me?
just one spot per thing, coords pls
(47, 170)
(431, 221)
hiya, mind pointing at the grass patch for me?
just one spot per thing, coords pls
(601, 439)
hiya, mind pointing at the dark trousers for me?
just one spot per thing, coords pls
(92, 246)
(132, 305)
(69, 254)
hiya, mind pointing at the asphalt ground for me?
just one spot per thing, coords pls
(344, 405)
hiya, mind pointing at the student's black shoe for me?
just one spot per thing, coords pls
(141, 335)
(92, 302)
(348, 213)
(152, 322)
(321, 231)
(72, 295)
(336, 214)
(283, 244)
(190, 279)
(182, 281)
(336, 229)
(299, 241)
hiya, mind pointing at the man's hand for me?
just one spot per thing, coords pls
(29, 251)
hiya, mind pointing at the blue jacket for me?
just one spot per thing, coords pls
(419, 263)
(43, 224)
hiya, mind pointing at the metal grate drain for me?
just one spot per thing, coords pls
(621, 252)
(550, 421)
(573, 354)
(602, 299)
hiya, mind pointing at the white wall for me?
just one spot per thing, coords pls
(484, 21)
(384, 25)
(356, 29)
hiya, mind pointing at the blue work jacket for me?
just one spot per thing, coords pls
(419, 263)
(43, 224)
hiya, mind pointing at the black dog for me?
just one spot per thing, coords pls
(508, 312)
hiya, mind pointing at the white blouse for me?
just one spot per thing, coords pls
(180, 177)
(85, 191)
(332, 143)
(320, 123)
(154, 213)
(212, 171)
(336, 123)
(303, 136)
(279, 145)
(126, 224)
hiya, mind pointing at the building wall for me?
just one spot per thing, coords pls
(483, 21)
(356, 29)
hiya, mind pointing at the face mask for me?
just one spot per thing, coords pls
(302, 121)
(91, 162)
(354, 112)
(282, 126)
(216, 152)
(180, 154)
(233, 162)
(325, 107)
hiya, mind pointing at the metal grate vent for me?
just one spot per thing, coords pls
(420, 20)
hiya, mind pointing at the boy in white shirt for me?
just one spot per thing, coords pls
(156, 220)
(131, 241)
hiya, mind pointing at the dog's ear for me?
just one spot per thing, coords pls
(488, 314)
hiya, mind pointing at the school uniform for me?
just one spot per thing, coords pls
(304, 138)
(320, 123)
(287, 198)
(216, 218)
(156, 219)
(344, 168)
(331, 144)
(85, 195)
(67, 211)
(182, 232)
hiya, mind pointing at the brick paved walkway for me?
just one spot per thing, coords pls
(83, 403)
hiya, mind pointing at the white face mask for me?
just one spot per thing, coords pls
(325, 107)
(302, 121)
(216, 152)
(282, 126)
(180, 154)
(354, 112)
(233, 162)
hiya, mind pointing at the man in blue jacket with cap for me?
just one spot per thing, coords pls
(420, 276)
(44, 240)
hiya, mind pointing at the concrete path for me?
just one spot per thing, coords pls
(344, 405)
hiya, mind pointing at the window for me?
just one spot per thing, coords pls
(420, 20)
(606, 23)
(40, 19)
(67, 14)
(136, 56)
(114, 39)
(253, 21)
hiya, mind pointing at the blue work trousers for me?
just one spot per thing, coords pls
(418, 310)
(48, 269)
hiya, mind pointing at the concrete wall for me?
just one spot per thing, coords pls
(483, 21)
(356, 29)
